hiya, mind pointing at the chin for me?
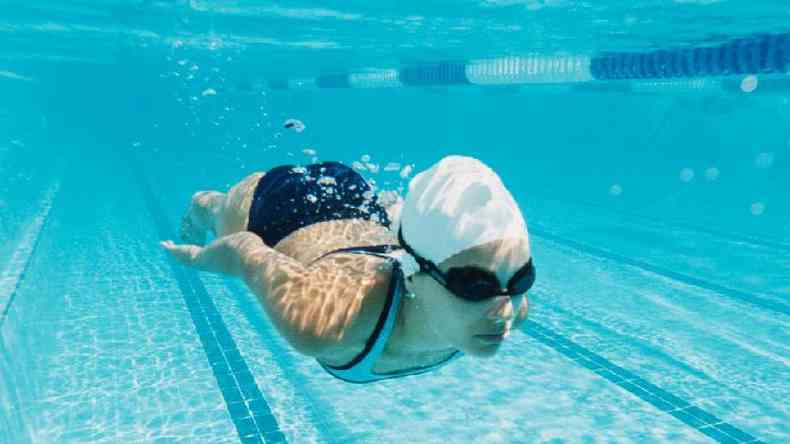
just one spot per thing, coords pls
(479, 349)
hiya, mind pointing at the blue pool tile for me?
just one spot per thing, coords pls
(573, 354)
(238, 410)
(266, 423)
(211, 347)
(220, 367)
(202, 323)
(738, 434)
(214, 359)
(625, 374)
(225, 341)
(234, 358)
(663, 394)
(250, 392)
(635, 389)
(602, 361)
(259, 407)
(274, 438)
(702, 415)
(245, 426)
(687, 418)
(609, 375)
(659, 403)
(225, 380)
(252, 439)
(231, 394)
(244, 377)
(718, 435)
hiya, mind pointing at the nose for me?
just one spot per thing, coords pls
(502, 309)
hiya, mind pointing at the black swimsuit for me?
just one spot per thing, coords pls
(288, 198)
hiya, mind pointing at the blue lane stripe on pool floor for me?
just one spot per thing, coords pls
(743, 296)
(671, 224)
(689, 414)
(16, 268)
(246, 405)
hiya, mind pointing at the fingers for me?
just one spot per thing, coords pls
(185, 254)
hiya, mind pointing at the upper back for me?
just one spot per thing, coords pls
(361, 295)
(309, 243)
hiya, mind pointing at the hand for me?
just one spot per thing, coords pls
(185, 254)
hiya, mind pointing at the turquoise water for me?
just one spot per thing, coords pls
(658, 216)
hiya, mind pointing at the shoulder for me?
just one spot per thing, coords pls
(363, 302)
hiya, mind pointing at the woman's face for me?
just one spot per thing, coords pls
(468, 325)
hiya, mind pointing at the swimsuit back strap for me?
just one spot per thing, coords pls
(376, 250)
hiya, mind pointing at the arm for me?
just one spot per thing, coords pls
(315, 309)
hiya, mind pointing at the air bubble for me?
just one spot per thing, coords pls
(749, 83)
(327, 180)
(686, 174)
(392, 166)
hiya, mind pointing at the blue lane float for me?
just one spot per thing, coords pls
(753, 55)
(332, 81)
(444, 73)
(763, 54)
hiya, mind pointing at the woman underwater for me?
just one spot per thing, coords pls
(372, 292)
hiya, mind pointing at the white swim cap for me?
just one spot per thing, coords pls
(457, 204)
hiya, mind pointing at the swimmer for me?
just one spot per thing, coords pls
(372, 292)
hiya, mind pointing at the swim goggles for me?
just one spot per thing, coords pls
(474, 283)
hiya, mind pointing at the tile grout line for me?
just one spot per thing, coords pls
(664, 401)
(739, 295)
(676, 224)
(14, 272)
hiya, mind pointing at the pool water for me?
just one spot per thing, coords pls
(647, 144)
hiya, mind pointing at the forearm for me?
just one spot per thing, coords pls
(224, 255)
